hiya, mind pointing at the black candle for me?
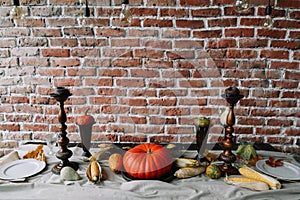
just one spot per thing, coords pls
(16, 3)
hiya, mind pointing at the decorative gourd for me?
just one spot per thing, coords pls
(213, 171)
(115, 162)
(147, 161)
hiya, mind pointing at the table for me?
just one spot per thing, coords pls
(49, 186)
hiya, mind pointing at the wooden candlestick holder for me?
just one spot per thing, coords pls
(61, 95)
(232, 96)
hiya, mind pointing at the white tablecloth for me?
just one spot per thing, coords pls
(49, 186)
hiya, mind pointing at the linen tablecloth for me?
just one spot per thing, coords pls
(49, 186)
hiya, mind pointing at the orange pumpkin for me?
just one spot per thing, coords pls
(147, 161)
(85, 120)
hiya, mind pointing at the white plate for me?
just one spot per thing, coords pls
(288, 171)
(21, 169)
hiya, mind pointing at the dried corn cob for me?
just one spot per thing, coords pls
(251, 173)
(188, 172)
(186, 162)
(94, 172)
(245, 182)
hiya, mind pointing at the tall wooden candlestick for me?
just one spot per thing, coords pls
(61, 95)
(232, 96)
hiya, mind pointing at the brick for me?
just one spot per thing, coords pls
(222, 43)
(120, 128)
(223, 22)
(252, 43)
(162, 102)
(10, 127)
(271, 33)
(114, 109)
(239, 32)
(126, 62)
(294, 34)
(46, 32)
(144, 11)
(160, 3)
(163, 139)
(98, 81)
(192, 101)
(111, 91)
(144, 73)
(113, 72)
(278, 122)
(105, 32)
(96, 62)
(160, 44)
(130, 83)
(285, 84)
(85, 31)
(160, 83)
(292, 131)
(250, 121)
(207, 33)
(145, 111)
(158, 23)
(142, 33)
(157, 63)
(194, 3)
(149, 53)
(288, 4)
(103, 100)
(161, 120)
(176, 74)
(171, 12)
(30, 22)
(65, 82)
(265, 93)
(35, 127)
(175, 111)
(133, 138)
(69, 62)
(44, 71)
(180, 55)
(255, 83)
(55, 52)
(190, 24)
(253, 102)
(150, 129)
(237, 73)
(83, 52)
(208, 12)
(285, 65)
(267, 131)
(62, 22)
(285, 44)
(283, 103)
(132, 120)
(292, 75)
(179, 130)
(124, 42)
(133, 101)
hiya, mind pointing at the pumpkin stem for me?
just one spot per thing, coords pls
(85, 113)
(149, 151)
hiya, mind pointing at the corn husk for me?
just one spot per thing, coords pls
(245, 182)
(188, 172)
(94, 172)
(251, 173)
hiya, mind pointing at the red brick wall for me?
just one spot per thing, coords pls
(147, 81)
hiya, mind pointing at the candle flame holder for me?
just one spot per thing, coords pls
(61, 94)
(232, 96)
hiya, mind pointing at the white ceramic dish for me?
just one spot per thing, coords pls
(288, 171)
(21, 169)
